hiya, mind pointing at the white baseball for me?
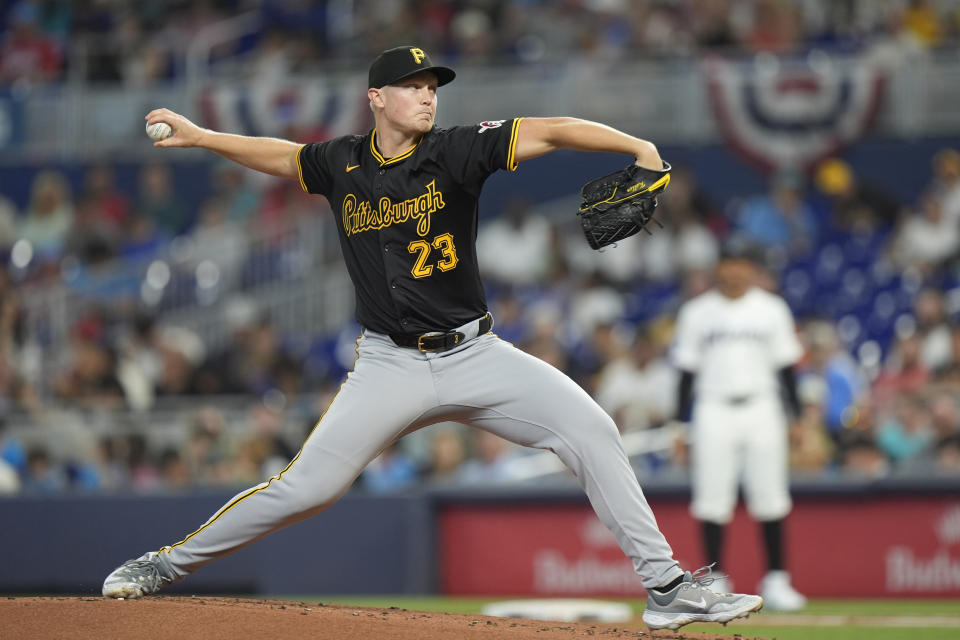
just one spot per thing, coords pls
(159, 131)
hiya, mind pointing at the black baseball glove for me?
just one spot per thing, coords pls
(620, 204)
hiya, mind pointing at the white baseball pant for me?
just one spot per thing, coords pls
(734, 442)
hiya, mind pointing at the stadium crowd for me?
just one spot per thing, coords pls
(874, 282)
(137, 43)
(880, 382)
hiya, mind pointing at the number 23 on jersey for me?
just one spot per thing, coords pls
(423, 264)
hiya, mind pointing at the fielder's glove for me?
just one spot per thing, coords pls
(620, 204)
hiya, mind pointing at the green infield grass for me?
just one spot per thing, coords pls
(821, 620)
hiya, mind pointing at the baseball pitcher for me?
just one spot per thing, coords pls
(404, 197)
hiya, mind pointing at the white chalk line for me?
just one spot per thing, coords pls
(801, 620)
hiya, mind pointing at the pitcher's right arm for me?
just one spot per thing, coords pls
(270, 155)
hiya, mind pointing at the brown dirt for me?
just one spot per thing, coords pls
(170, 617)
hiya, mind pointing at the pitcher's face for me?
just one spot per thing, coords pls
(410, 104)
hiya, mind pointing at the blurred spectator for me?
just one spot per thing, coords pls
(48, 218)
(604, 343)
(515, 248)
(941, 453)
(933, 329)
(232, 184)
(158, 200)
(511, 323)
(922, 22)
(266, 442)
(140, 362)
(8, 223)
(143, 473)
(593, 303)
(151, 62)
(947, 455)
(780, 219)
(711, 22)
(907, 432)
(112, 466)
(926, 238)
(217, 241)
(946, 182)
(903, 371)
(862, 457)
(141, 240)
(447, 453)
(954, 365)
(206, 451)
(174, 474)
(636, 385)
(855, 206)
(9, 479)
(28, 54)
(811, 449)
(90, 236)
(618, 268)
(494, 458)
(89, 379)
(43, 475)
(181, 353)
(392, 470)
(686, 243)
(111, 204)
(775, 27)
(945, 415)
(543, 339)
(829, 368)
(252, 362)
(271, 61)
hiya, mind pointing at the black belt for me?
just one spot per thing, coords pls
(738, 400)
(436, 342)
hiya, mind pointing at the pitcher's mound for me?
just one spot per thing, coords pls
(174, 617)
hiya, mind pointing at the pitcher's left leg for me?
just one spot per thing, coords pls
(529, 402)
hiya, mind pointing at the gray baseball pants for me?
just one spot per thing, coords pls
(485, 383)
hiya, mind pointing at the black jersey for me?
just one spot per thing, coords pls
(408, 224)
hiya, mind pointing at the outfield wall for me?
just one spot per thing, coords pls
(844, 545)
(869, 540)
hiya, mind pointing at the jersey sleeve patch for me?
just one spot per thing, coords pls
(489, 124)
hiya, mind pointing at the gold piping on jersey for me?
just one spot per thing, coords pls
(512, 163)
(300, 169)
(276, 477)
(394, 159)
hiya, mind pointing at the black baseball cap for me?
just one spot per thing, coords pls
(395, 64)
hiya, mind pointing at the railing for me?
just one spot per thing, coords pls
(293, 276)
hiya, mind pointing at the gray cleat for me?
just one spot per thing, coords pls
(135, 578)
(691, 601)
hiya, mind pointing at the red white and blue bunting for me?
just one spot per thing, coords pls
(307, 110)
(792, 114)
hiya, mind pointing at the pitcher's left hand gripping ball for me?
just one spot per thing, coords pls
(621, 203)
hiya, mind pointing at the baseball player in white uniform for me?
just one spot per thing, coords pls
(406, 194)
(735, 347)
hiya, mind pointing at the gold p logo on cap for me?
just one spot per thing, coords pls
(418, 55)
